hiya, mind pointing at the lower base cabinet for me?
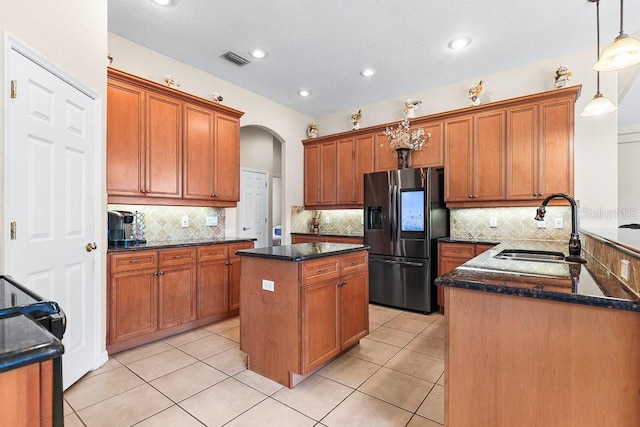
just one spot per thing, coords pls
(302, 238)
(26, 395)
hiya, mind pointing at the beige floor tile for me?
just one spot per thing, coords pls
(95, 389)
(315, 397)
(174, 416)
(418, 421)
(233, 334)
(108, 366)
(427, 345)
(441, 380)
(186, 382)
(434, 331)
(397, 388)
(391, 336)
(271, 413)
(349, 370)
(223, 325)
(230, 361)
(361, 410)
(187, 337)
(374, 351)
(440, 320)
(207, 347)
(373, 326)
(161, 364)
(407, 325)
(125, 409)
(66, 409)
(257, 381)
(381, 314)
(419, 317)
(141, 352)
(72, 420)
(423, 366)
(223, 402)
(433, 406)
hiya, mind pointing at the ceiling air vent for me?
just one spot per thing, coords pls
(235, 58)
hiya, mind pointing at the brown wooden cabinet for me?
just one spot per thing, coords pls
(355, 157)
(176, 287)
(432, 154)
(385, 156)
(308, 238)
(235, 268)
(213, 280)
(320, 176)
(167, 147)
(26, 395)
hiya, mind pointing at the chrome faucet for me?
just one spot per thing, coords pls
(575, 247)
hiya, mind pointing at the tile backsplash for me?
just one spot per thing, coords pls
(164, 222)
(335, 221)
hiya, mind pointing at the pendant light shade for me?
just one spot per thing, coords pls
(599, 105)
(622, 53)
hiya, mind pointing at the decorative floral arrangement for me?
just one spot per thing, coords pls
(402, 137)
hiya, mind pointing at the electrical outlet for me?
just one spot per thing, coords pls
(211, 221)
(185, 222)
(541, 224)
(327, 220)
(268, 285)
(624, 269)
(493, 222)
(558, 223)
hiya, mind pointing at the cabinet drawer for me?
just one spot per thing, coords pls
(315, 271)
(135, 260)
(233, 247)
(457, 250)
(213, 253)
(355, 262)
(177, 256)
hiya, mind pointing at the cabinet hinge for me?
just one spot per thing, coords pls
(14, 89)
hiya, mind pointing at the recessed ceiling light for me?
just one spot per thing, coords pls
(304, 92)
(258, 53)
(164, 2)
(367, 72)
(459, 43)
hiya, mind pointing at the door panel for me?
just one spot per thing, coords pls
(253, 207)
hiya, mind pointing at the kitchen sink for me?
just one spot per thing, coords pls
(531, 255)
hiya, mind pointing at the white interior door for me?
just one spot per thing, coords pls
(51, 194)
(253, 206)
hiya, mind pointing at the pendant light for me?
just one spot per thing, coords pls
(622, 53)
(599, 105)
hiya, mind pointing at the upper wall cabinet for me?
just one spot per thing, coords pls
(166, 147)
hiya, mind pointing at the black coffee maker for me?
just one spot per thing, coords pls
(119, 228)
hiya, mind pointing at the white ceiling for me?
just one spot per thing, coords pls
(323, 45)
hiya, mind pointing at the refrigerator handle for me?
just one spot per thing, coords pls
(393, 214)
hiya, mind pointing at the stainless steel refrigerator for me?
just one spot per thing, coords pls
(404, 215)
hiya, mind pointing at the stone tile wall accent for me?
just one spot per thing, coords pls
(512, 224)
(609, 257)
(163, 222)
(335, 221)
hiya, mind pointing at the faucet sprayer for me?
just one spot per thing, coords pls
(575, 247)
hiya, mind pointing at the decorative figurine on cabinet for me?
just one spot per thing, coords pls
(355, 119)
(562, 76)
(474, 93)
(170, 82)
(217, 97)
(410, 108)
(312, 130)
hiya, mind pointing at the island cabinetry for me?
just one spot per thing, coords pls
(354, 240)
(235, 263)
(316, 309)
(320, 174)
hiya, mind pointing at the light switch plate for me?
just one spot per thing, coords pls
(541, 224)
(493, 222)
(211, 221)
(185, 222)
(558, 223)
(268, 285)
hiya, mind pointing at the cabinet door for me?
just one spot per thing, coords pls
(311, 175)
(198, 152)
(488, 156)
(227, 159)
(432, 154)
(132, 304)
(522, 153)
(163, 146)
(213, 295)
(480, 248)
(328, 173)
(556, 147)
(177, 295)
(320, 331)
(125, 140)
(234, 273)
(457, 174)
(365, 161)
(354, 308)
(346, 172)
(385, 156)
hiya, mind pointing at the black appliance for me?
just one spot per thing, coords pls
(404, 215)
(119, 228)
(16, 299)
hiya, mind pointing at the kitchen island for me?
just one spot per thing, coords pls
(532, 343)
(301, 305)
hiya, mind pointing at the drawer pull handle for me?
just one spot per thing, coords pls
(213, 253)
(135, 261)
(324, 270)
(354, 263)
(457, 251)
(177, 256)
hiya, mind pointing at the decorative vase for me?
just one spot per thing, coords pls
(403, 157)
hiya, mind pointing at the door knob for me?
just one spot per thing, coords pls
(246, 228)
(91, 247)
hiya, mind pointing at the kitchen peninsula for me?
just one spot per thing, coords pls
(302, 305)
(533, 343)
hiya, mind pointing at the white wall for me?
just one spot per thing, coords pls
(595, 138)
(256, 149)
(629, 176)
(289, 125)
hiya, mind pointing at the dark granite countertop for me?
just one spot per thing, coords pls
(302, 251)
(161, 244)
(24, 342)
(328, 235)
(558, 281)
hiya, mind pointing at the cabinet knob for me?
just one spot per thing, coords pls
(155, 274)
(214, 195)
(162, 273)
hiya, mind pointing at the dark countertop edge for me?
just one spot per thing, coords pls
(467, 241)
(594, 301)
(629, 250)
(31, 355)
(162, 244)
(357, 236)
(299, 258)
